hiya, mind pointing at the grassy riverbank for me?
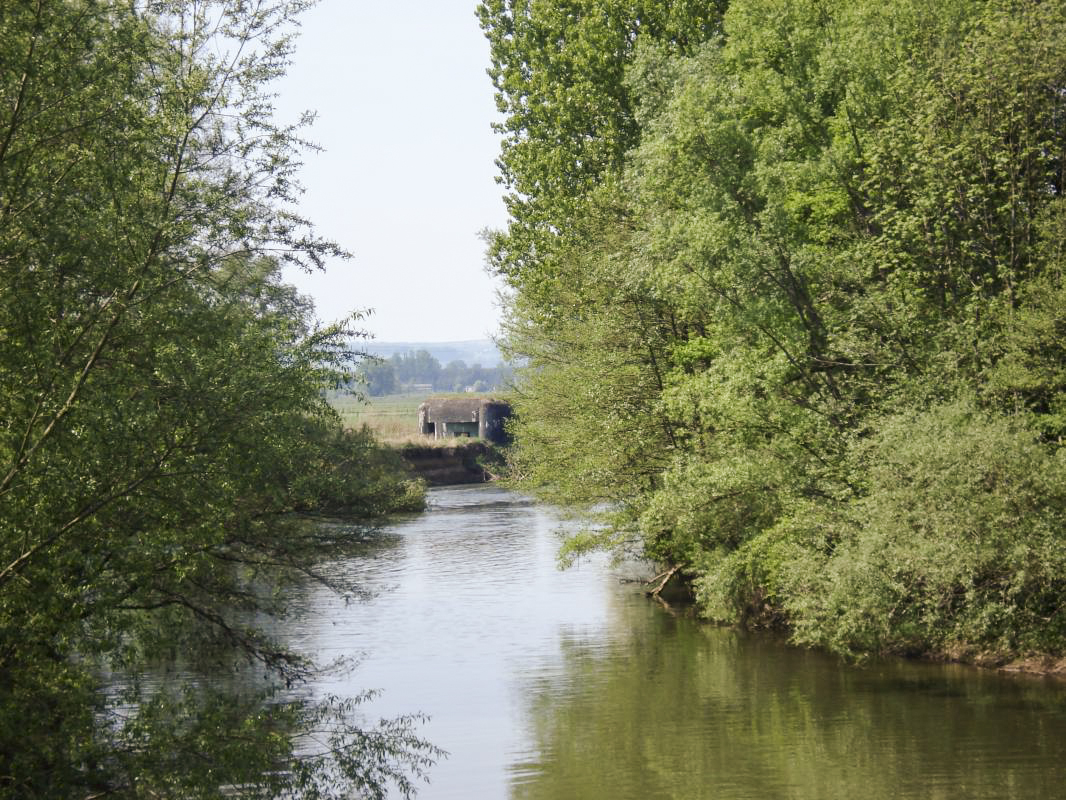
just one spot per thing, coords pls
(392, 418)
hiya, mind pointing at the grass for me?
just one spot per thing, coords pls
(394, 417)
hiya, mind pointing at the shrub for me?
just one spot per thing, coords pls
(958, 548)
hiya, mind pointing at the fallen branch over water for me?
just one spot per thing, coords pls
(663, 578)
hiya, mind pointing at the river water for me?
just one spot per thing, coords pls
(543, 683)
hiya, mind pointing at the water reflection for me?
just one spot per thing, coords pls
(684, 710)
(548, 684)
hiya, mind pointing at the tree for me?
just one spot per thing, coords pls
(570, 118)
(379, 377)
(164, 428)
(826, 219)
(415, 366)
(589, 331)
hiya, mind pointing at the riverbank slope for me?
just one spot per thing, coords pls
(471, 461)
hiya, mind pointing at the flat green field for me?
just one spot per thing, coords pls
(394, 418)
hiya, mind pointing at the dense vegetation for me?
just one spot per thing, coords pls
(417, 369)
(163, 432)
(791, 280)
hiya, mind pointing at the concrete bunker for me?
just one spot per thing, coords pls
(464, 417)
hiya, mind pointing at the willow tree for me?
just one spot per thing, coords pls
(163, 421)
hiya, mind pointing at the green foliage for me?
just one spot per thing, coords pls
(1030, 374)
(379, 378)
(164, 429)
(804, 223)
(558, 69)
(957, 546)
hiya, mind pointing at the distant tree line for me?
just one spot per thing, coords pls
(405, 372)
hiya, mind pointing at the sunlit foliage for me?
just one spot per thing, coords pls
(830, 229)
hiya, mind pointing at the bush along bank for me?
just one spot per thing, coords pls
(954, 550)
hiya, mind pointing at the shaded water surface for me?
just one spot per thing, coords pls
(549, 684)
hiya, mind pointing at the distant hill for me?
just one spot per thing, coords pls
(478, 351)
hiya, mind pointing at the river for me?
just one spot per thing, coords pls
(543, 683)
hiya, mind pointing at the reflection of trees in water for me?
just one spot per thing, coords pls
(190, 694)
(683, 710)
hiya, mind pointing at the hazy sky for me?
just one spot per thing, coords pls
(407, 177)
